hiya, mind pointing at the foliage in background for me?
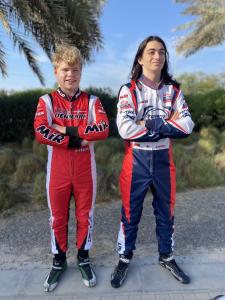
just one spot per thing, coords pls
(199, 162)
(50, 23)
(17, 111)
(8, 198)
(39, 189)
(17, 114)
(7, 161)
(201, 83)
(27, 166)
(208, 109)
(109, 155)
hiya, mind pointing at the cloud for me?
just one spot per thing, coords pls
(111, 68)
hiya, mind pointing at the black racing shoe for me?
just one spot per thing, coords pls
(87, 272)
(120, 272)
(170, 264)
(52, 280)
(219, 297)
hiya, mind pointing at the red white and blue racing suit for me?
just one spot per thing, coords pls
(148, 161)
(71, 168)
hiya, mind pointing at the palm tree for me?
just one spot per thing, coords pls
(50, 22)
(206, 30)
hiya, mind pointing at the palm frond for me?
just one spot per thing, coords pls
(208, 29)
(51, 22)
(3, 68)
(28, 53)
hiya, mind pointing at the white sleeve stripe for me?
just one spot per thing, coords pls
(91, 111)
(46, 98)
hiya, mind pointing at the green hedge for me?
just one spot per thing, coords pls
(17, 111)
(208, 109)
(17, 114)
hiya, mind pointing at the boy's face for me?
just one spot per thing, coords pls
(68, 77)
(153, 58)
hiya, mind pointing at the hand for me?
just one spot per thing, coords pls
(61, 129)
(84, 143)
(141, 122)
(175, 116)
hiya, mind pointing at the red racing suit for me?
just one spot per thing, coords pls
(71, 168)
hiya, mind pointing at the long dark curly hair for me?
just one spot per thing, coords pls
(136, 70)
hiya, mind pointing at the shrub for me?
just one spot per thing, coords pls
(222, 141)
(103, 190)
(26, 169)
(210, 133)
(39, 189)
(40, 150)
(109, 155)
(202, 172)
(116, 163)
(208, 108)
(7, 162)
(207, 146)
(114, 170)
(181, 159)
(7, 197)
(103, 153)
(220, 161)
(209, 141)
(105, 149)
(27, 143)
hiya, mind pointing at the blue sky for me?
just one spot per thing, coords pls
(124, 24)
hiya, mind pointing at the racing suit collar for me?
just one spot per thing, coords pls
(67, 97)
(155, 86)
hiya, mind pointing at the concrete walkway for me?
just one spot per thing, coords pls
(145, 281)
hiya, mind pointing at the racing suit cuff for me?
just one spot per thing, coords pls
(154, 124)
(72, 131)
(74, 142)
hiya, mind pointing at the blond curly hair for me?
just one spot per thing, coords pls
(67, 54)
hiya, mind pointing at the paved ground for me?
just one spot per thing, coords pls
(200, 250)
(146, 281)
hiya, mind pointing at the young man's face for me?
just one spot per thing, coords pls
(153, 58)
(68, 77)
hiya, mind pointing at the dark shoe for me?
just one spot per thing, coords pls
(120, 272)
(168, 262)
(87, 272)
(220, 297)
(52, 280)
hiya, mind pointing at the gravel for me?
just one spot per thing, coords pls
(199, 229)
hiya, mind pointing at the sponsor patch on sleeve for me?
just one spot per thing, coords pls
(39, 113)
